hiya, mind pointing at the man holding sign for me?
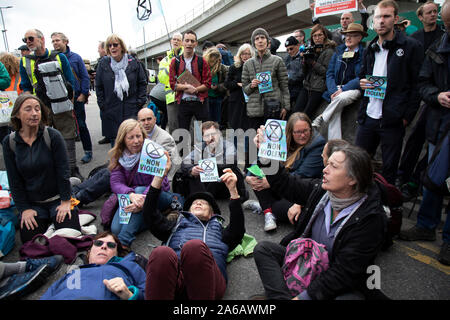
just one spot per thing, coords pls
(202, 167)
(395, 60)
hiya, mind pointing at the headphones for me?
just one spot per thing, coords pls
(387, 44)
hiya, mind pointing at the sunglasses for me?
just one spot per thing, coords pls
(30, 38)
(115, 45)
(99, 243)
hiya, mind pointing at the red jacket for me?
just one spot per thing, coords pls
(205, 78)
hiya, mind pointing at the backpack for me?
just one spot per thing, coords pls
(8, 224)
(304, 260)
(435, 175)
(52, 87)
(392, 200)
(158, 113)
(199, 65)
(47, 140)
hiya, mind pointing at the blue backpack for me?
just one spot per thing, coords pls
(8, 223)
(158, 113)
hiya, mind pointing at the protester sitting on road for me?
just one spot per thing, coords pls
(98, 183)
(38, 170)
(213, 146)
(344, 214)
(111, 274)
(218, 90)
(192, 262)
(315, 64)
(304, 146)
(125, 179)
(17, 279)
(121, 86)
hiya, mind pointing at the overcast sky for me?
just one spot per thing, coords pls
(86, 22)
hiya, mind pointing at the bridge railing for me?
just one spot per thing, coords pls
(198, 10)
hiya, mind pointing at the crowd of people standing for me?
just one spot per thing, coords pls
(325, 189)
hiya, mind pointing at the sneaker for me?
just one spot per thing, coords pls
(444, 254)
(416, 233)
(74, 181)
(317, 122)
(105, 140)
(21, 284)
(87, 157)
(53, 262)
(269, 222)
(252, 205)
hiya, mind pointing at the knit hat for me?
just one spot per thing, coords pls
(291, 41)
(257, 32)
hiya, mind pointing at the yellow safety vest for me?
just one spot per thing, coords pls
(163, 75)
(29, 67)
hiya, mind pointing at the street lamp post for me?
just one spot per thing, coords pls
(5, 39)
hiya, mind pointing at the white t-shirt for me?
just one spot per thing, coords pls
(375, 106)
(188, 63)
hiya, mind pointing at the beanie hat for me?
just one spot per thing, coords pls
(291, 41)
(257, 32)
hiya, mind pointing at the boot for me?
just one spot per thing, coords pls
(75, 172)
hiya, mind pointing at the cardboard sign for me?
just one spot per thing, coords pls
(153, 160)
(210, 172)
(7, 99)
(274, 145)
(124, 201)
(380, 84)
(331, 7)
(266, 81)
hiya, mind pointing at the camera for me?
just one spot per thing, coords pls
(311, 51)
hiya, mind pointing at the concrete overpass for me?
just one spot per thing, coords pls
(232, 22)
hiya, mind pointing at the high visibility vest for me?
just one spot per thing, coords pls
(163, 75)
(29, 65)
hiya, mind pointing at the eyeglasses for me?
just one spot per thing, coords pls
(30, 38)
(115, 45)
(301, 132)
(99, 243)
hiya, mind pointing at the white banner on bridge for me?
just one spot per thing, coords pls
(330, 7)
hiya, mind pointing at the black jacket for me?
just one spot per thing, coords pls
(433, 79)
(402, 99)
(354, 248)
(237, 108)
(36, 173)
(114, 111)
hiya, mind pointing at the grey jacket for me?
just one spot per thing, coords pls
(315, 77)
(277, 68)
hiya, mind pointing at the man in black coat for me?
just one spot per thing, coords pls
(397, 59)
(409, 170)
(435, 91)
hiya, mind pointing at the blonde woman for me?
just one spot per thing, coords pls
(121, 86)
(237, 105)
(305, 146)
(124, 162)
(218, 90)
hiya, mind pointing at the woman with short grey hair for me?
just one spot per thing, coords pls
(343, 212)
